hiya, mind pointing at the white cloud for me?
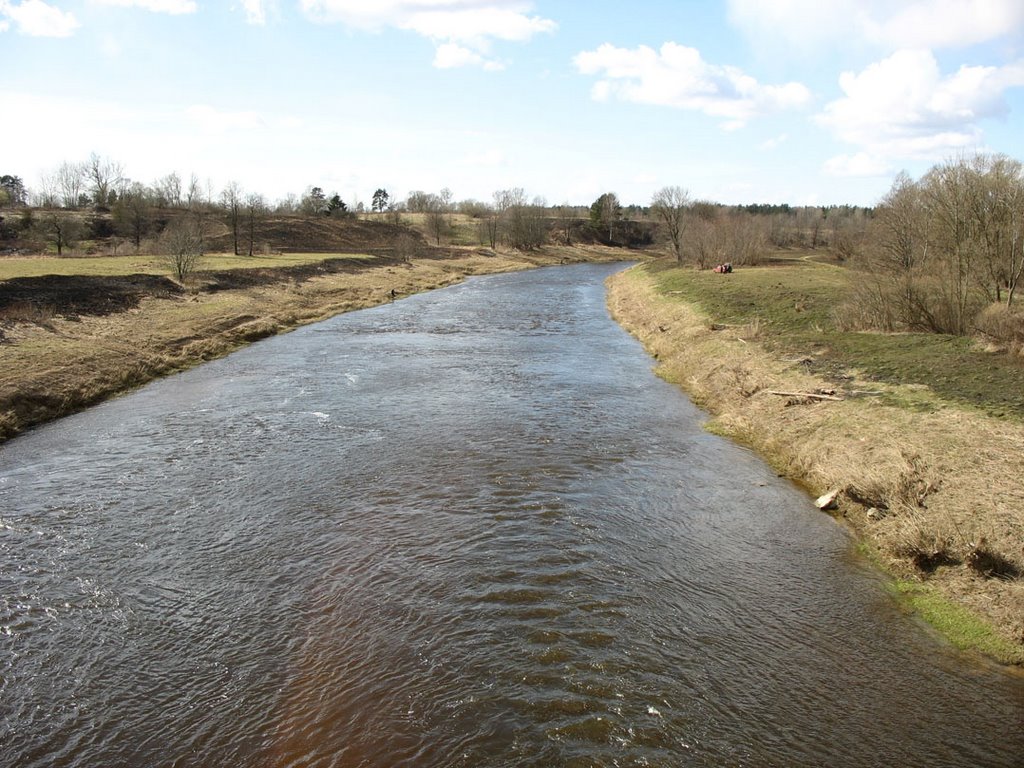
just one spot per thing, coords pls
(677, 76)
(37, 19)
(476, 25)
(255, 13)
(449, 55)
(891, 25)
(171, 7)
(462, 30)
(903, 107)
(949, 23)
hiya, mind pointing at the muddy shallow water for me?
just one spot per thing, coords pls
(467, 528)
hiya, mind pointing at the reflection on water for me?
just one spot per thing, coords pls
(466, 529)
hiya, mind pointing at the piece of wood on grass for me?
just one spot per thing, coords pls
(809, 395)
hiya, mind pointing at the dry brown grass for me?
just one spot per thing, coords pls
(26, 312)
(937, 495)
(1003, 326)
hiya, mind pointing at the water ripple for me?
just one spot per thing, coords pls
(465, 529)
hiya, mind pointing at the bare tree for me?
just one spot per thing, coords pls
(946, 189)
(891, 291)
(997, 206)
(849, 232)
(182, 244)
(231, 198)
(70, 178)
(446, 202)
(394, 213)
(194, 193)
(62, 230)
(705, 244)
(419, 201)
(496, 219)
(744, 237)
(133, 212)
(437, 224)
(169, 190)
(287, 204)
(1015, 245)
(566, 215)
(47, 196)
(255, 207)
(524, 225)
(669, 206)
(104, 174)
(933, 241)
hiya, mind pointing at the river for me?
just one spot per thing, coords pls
(469, 528)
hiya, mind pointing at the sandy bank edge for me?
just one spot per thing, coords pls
(947, 476)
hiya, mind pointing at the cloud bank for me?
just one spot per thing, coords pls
(904, 107)
(885, 24)
(35, 18)
(677, 76)
(463, 31)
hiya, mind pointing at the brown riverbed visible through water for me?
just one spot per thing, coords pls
(467, 528)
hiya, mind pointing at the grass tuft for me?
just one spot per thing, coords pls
(958, 625)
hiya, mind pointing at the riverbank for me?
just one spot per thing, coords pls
(930, 487)
(53, 363)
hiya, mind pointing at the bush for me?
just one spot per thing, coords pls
(100, 227)
(475, 209)
(1003, 325)
(182, 245)
(7, 230)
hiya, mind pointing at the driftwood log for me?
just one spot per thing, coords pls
(812, 395)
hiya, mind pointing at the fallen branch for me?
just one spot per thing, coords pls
(811, 395)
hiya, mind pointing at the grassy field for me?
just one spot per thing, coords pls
(107, 266)
(795, 308)
(921, 437)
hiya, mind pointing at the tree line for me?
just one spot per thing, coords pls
(933, 255)
(95, 199)
(696, 231)
(945, 252)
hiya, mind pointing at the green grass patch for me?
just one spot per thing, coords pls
(793, 308)
(962, 628)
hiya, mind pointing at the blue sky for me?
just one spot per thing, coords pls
(738, 101)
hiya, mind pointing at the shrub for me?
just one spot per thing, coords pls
(1003, 325)
(182, 244)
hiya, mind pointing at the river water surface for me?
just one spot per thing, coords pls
(469, 528)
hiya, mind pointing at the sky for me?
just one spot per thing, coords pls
(806, 102)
